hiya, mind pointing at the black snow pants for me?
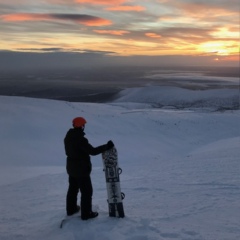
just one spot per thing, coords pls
(84, 184)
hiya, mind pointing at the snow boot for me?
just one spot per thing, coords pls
(89, 216)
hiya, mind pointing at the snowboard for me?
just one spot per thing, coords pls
(112, 172)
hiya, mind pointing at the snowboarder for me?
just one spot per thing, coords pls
(79, 167)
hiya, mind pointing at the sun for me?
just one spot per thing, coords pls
(213, 47)
(220, 48)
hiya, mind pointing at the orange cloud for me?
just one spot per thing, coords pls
(232, 58)
(19, 17)
(126, 8)
(152, 35)
(101, 2)
(96, 22)
(112, 32)
(86, 20)
(201, 10)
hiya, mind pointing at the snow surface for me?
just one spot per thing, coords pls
(175, 97)
(180, 171)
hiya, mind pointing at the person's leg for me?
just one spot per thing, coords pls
(85, 185)
(71, 201)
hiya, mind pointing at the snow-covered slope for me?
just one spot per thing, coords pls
(180, 98)
(180, 171)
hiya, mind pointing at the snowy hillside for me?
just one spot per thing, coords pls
(180, 98)
(180, 171)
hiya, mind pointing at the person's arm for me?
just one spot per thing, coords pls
(97, 150)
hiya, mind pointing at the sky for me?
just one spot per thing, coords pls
(123, 28)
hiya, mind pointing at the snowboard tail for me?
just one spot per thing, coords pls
(116, 210)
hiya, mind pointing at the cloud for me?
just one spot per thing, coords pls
(125, 27)
(49, 60)
(182, 32)
(14, 61)
(204, 9)
(125, 8)
(112, 32)
(84, 19)
(153, 35)
(59, 50)
(41, 49)
(114, 5)
(101, 2)
(233, 58)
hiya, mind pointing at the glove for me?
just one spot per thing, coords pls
(110, 144)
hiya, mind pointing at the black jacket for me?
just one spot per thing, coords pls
(78, 151)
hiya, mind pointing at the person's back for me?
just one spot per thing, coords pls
(72, 142)
(76, 148)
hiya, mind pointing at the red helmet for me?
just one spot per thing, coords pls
(78, 122)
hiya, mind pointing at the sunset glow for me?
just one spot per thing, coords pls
(123, 27)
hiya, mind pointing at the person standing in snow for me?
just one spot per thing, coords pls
(79, 167)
